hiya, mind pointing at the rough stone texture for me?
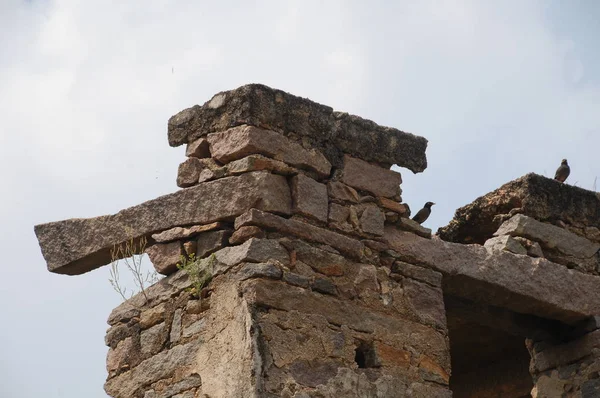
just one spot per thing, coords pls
(342, 192)
(77, 246)
(564, 354)
(188, 172)
(409, 225)
(178, 233)
(505, 242)
(152, 316)
(152, 340)
(367, 177)
(209, 242)
(320, 261)
(426, 275)
(259, 270)
(549, 236)
(523, 284)
(165, 256)
(351, 247)
(401, 208)
(533, 195)
(533, 248)
(309, 198)
(241, 141)
(253, 250)
(258, 163)
(372, 220)
(198, 149)
(264, 107)
(244, 233)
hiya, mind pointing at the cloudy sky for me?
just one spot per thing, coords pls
(499, 89)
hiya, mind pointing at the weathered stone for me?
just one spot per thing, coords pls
(412, 226)
(338, 217)
(552, 357)
(209, 242)
(505, 242)
(165, 256)
(117, 333)
(391, 356)
(77, 246)
(260, 105)
(420, 390)
(259, 270)
(313, 373)
(321, 261)
(152, 316)
(244, 233)
(592, 233)
(533, 248)
(401, 208)
(431, 371)
(350, 246)
(426, 275)
(426, 302)
(175, 334)
(342, 192)
(323, 285)
(198, 149)
(241, 141)
(549, 236)
(533, 195)
(118, 358)
(188, 172)
(375, 245)
(372, 220)
(160, 366)
(309, 197)
(295, 279)
(188, 383)
(126, 312)
(367, 177)
(520, 283)
(194, 328)
(152, 340)
(189, 248)
(253, 250)
(391, 217)
(179, 233)
(258, 163)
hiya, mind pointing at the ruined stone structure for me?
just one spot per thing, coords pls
(304, 277)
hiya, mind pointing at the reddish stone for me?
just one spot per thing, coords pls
(188, 172)
(309, 197)
(198, 149)
(165, 256)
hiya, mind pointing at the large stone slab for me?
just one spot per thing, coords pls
(276, 110)
(367, 177)
(549, 236)
(533, 195)
(77, 246)
(349, 246)
(239, 142)
(520, 283)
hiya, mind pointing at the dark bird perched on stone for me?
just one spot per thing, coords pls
(563, 171)
(424, 213)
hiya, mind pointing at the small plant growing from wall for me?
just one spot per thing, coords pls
(132, 254)
(200, 272)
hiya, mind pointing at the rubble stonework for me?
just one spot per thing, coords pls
(317, 284)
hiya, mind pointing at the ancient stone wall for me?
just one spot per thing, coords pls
(303, 275)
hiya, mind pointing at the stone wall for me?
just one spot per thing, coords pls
(305, 277)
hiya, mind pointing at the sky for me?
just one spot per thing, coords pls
(500, 89)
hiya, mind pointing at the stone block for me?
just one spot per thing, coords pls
(296, 280)
(520, 283)
(198, 149)
(323, 285)
(549, 236)
(259, 105)
(180, 233)
(367, 177)
(309, 197)
(241, 141)
(188, 172)
(175, 333)
(553, 357)
(152, 340)
(253, 250)
(372, 220)
(165, 256)
(400, 208)
(77, 246)
(426, 275)
(412, 226)
(152, 316)
(258, 163)
(349, 246)
(259, 270)
(342, 192)
(244, 233)
(209, 242)
(320, 261)
(506, 243)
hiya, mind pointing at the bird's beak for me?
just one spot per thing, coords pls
(432, 204)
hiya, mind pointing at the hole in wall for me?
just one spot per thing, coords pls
(365, 356)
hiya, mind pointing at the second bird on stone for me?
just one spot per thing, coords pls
(563, 171)
(424, 213)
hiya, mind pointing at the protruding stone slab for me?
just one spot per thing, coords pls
(253, 250)
(520, 283)
(367, 177)
(533, 195)
(409, 225)
(549, 236)
(302, 230)
(165, 256)
(198, 149)
(239, 142)
(505, 242)
(188, 172)
(309, 197)
(185, 232)
(77, 246)
(264, 107)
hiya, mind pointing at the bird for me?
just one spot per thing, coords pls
(424, 213)
(563, 171)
